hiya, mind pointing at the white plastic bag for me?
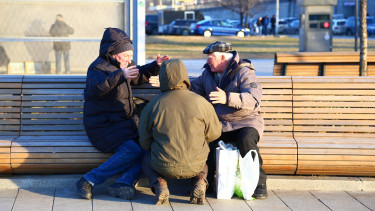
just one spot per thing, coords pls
(226, 165)
(249, 175)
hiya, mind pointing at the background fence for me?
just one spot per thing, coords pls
(25, 38)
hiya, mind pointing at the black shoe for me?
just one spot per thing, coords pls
(84, 188)
(121, 191)
(260, 192)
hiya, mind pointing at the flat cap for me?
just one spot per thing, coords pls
(218, 46)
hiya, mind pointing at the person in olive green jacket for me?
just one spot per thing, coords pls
(176, 127)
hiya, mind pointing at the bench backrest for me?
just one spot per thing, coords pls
(277, 105)
(52, 105)
(10, 105)
(334, 106)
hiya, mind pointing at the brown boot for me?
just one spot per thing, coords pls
(161, 191)
(198, 194)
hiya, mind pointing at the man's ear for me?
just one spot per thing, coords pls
(222, 57)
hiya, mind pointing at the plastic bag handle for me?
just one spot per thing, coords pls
(221, 145)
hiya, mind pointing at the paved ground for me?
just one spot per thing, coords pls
(56, 192)
(66, 199)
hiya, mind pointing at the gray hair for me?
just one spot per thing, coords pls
(227, 56)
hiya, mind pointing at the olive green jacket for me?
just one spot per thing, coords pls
(177, 125)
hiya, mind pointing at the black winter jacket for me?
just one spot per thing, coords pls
(108, 108)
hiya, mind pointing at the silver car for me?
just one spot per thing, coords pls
(338, 26)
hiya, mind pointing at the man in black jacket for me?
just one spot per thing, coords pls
(108, 113)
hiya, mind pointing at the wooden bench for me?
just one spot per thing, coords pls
(334, 125)
(321, 64)
(313, 125)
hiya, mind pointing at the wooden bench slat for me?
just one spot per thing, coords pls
(52, 91)
(51, 97)
(53, 103)
(50, 133)
(336, 116)
(52, 116)
(332, 104)
(52, 144)
(52, 110)
(53, 149)
(91, 155)
(333, 122)
(52, 138)
(52, 122)
(10, 91)
(58, 161)
(333, 98)
(53, 85)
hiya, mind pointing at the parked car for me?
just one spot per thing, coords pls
(284, 23)
(151, 24)
(180, 27)
(207, 28)
(338, 26)
(350, 25)
(292, 28)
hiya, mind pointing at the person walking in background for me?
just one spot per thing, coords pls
(259, 25)
(231, 85)
(273, 25)
(265, 22)
(108, 115)
(176, 127)
(61, 29)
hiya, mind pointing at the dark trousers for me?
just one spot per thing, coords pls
(58, 55)
(245, 139)
(152, 175)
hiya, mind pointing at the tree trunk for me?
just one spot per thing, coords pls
(363, 39)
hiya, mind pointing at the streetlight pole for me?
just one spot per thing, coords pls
(277, 17)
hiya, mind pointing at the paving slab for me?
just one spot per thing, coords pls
(339, 200)
(272, 203)
(34, 200)
(102, 201)
(145, 200)
(366, 198)
(300, 200)
(225, 204)
(7, 198)
(66, 199)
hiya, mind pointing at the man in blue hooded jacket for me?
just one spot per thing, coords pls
(108, 114)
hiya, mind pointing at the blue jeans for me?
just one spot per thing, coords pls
(58, 55)
(126, 160)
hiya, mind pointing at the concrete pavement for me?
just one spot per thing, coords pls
(57, 192)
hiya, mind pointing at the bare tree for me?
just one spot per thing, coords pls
(245, 8)
(363, 39)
